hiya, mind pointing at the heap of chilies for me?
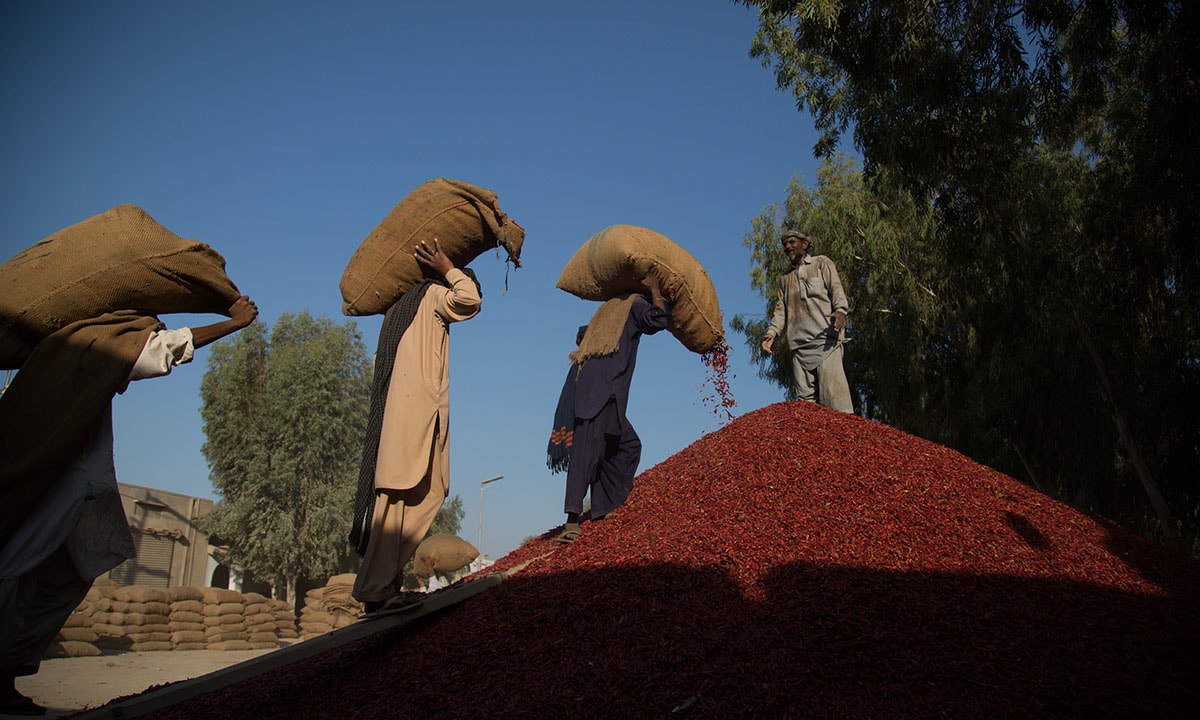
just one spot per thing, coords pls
(797, 562)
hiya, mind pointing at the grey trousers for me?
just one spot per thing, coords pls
(826, 384)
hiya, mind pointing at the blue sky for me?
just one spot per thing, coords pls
(282, 133)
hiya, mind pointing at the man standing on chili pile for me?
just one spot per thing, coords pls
(811, 309)
(592, 438)
(405, 473)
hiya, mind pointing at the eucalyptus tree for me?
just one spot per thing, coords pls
(1054, 142)
(284, 419)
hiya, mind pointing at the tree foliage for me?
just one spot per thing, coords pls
(449, 518)
(1026, 289)
(284, 419)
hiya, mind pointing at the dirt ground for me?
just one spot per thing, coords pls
(66, 686)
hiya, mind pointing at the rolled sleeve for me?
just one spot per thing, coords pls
(163, 351)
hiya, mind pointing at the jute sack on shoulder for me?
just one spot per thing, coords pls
(121, 259)
(613, 262)
(465, 219)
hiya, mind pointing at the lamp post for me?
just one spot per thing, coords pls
(485, 482)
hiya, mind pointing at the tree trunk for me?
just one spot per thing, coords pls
(1170, 531)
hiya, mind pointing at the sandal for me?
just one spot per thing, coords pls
(569, 534)
(397, 604)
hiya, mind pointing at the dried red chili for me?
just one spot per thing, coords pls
(797, 562)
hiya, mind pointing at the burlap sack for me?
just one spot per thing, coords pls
(185, 593)
(224, 608)
(442, 553)
(465, 219)
(261, 627)
(187, 606)
(180, 637)
(141, 594)
(308, 629)
(214, 638)
(613, 262)
(71, 648)
(78, 634)
(316, 616)
(118, 260)
(220, 595)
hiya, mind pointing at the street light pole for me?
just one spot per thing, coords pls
(479, 547)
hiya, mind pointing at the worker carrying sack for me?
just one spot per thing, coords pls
(465, 219)
(119, 260)
(613, 262)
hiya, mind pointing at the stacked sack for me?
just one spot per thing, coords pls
(141, 618)
(138, 619)
(329, 608)
(259, 614)
(186, 621)
(285, 620)
(76, 638)
(225, 619)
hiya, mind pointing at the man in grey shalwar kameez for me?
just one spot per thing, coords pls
(810, 313)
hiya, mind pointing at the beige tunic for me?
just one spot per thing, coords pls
(412, 471)
(808, 294)
(414, 440)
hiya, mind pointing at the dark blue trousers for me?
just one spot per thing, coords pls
(605, 452)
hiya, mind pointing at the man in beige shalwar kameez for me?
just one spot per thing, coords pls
(412, 460)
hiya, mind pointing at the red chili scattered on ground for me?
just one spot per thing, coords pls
(798, 562)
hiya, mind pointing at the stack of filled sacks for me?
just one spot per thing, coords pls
(179, 618)
(225, 619)
(261, 630)
(285, 619)
(76, 638)
(187, 619)
(137, 619)
(330, 607)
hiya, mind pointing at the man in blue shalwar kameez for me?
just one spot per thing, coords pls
(593, 439)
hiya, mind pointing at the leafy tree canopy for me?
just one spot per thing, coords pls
(1026, 290)
(284, 418)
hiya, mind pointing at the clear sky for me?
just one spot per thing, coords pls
(281, 133)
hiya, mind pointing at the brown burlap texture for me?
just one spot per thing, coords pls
(118, 260)
(613, 262)
(54, 403)
(604, 330)
(442, 553)
(465, 219)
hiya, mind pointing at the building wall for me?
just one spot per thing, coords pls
(172, 551)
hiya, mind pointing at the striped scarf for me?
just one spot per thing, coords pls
(558, 450)
(395, 322)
